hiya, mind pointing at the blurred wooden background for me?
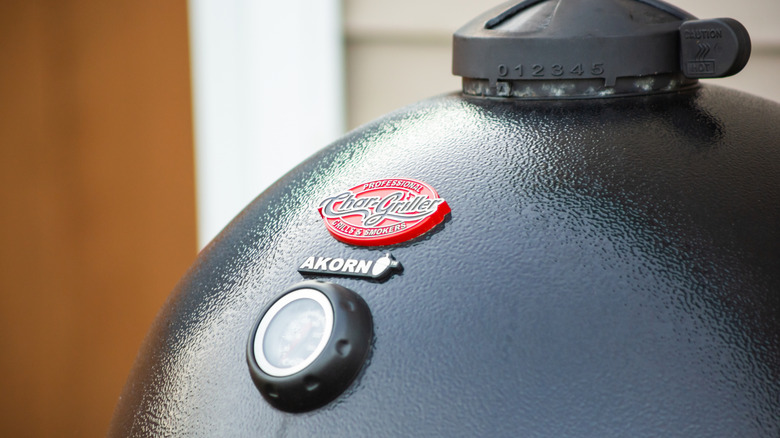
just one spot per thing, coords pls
(97, 217)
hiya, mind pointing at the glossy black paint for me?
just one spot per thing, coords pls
(611, 267)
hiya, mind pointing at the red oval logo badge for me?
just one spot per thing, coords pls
(383, 212)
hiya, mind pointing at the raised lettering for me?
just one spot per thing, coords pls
(336, 264)
(363, 266)
(308, 264)
(322, 264)
(703, 34)
(349, 266)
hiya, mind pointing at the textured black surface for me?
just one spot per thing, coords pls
(610, 268)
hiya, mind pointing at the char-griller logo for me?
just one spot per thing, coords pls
(383, 212)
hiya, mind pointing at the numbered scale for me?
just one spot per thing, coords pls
(574, 70)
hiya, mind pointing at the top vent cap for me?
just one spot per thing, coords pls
(554, 40)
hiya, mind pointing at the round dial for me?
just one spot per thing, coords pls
(309, 345)
(293, 332)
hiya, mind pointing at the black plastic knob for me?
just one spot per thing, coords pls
(309, 345)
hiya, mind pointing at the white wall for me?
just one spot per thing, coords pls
(267, 92)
